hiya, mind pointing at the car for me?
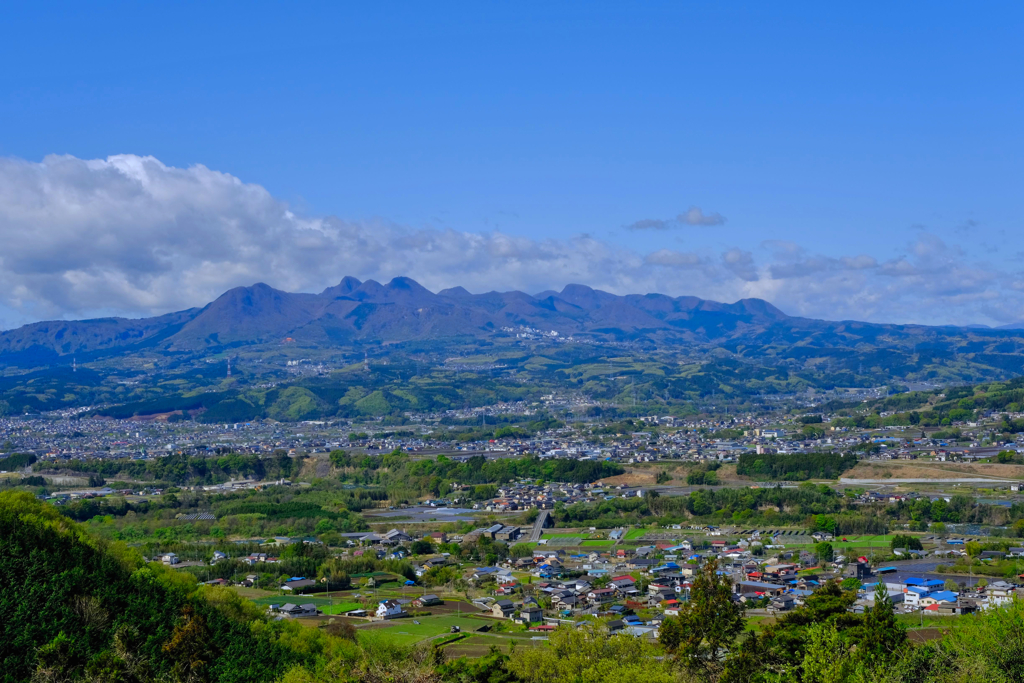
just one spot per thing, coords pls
(456, 629)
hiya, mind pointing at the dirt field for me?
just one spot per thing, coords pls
(631, 478)
(913, 469)
(646, 475)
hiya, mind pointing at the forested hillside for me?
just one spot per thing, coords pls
(72, 607)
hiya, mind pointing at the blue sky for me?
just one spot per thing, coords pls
(865, 160)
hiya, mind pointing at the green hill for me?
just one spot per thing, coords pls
(72, 607)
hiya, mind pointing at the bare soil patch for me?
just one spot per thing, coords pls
(923, 635)
(909, 469)
(631, 478)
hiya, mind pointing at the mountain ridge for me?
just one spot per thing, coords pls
(402, 310)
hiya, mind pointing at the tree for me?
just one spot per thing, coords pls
(708, 624)
(56, 661)
(972, 548)
(333, 571)
(422, 547)
(520, 550)
(826, 659)
(323, 526)
(824, 551)
(189, 648)
(883, 635)
(671, 634)
(824, 523)
(905, 541)
(780, 647)
(589, 655)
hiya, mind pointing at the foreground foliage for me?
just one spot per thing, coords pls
(74, 608)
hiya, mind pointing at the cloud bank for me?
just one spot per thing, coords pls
(129, 235)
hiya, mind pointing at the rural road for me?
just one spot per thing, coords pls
(538, 526)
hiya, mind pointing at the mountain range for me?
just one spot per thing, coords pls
(401, 310)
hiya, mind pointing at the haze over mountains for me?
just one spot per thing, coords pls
(402, 310)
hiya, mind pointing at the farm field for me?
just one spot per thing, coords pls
(321, 601)
(480, 645)
(406, 632)
(862, 542)
(562, 535)
(339, 608)
(926, 469)
(757, 622)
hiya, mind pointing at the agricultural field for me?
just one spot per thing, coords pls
(862, 542)
(329, 605)
(339, 608)
(480, 645)
(931, 469)
(407, 632)
(562, 535)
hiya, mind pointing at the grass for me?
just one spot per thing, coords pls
(600, 544)
(863, 542)
(405, 632)
(575, 535)
(756, 623)
(913, 621)
(340, 608)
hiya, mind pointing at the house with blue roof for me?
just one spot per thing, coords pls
(938, 597)
(914, 594)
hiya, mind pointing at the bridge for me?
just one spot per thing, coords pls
(543, 521)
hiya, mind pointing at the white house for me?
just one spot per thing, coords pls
(389, 609)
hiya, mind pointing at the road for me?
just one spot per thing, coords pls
(538, 526)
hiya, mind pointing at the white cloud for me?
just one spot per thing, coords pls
(694, 216)
(131, 236)
(741, 264)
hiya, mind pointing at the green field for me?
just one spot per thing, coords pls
(634, 534)
(322, 602)
(576, 535)
(405, 632)
(914, 621)
(339, 608)
(863, 542)
(599, 544)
